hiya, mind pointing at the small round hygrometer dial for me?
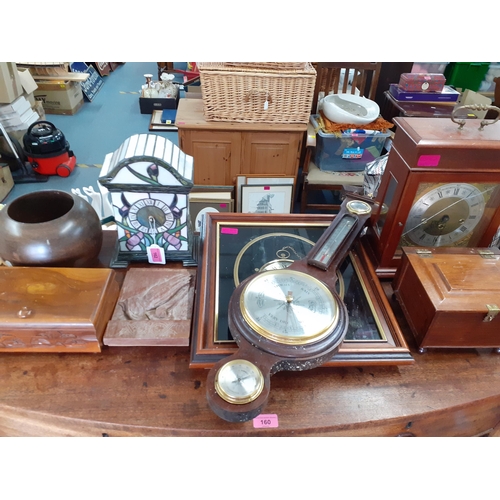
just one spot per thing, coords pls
(239, 381)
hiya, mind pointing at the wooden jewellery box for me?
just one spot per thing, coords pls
(55, 309)
(451, 296)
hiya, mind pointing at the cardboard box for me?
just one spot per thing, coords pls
(16, 121)
(38, 109)
(28, 83)
(471, 97)
(60, 98)
(18, 115)
(149, 104)
(6, 182)
(19, 106)
(10, 83)
(30, 98)
(193, 91)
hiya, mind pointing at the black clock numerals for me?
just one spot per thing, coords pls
(445, 215)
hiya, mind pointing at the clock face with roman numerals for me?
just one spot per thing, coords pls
(151, 216)
(446, 214)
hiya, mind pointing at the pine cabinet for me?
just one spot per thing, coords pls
(224, 150)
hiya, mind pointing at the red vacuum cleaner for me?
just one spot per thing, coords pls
(47, 150)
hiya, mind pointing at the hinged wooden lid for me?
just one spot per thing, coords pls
(458, 279)
(444, 132)
(437, 144)
(56, 297)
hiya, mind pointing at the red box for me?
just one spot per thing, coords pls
(422, 82)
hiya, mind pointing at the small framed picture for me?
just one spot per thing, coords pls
(202, 191)
(259, 180)
(266, 199)
(199, 207)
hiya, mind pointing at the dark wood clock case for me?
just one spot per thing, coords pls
(433, 151)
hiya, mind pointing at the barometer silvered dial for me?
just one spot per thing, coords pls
(289, 307)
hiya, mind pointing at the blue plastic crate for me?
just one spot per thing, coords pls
(348, 152)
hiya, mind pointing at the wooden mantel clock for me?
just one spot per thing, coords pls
(440, 188)
(285, 319)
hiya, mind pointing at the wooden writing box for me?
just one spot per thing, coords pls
(55, 309)
(451, 296)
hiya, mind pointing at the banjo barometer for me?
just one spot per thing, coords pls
(285, 318)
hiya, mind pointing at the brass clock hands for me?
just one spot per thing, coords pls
(424, 221)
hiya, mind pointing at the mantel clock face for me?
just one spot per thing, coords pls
(288, 316)
(446, 214)
(151, 216)
(440, 188)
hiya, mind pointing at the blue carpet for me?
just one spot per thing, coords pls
(99, 127)
(79, 178)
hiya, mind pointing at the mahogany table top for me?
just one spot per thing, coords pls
(151, 391)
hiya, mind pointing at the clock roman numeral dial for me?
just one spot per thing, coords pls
(446, 215)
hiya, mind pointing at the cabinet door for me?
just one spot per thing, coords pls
(271, 153)
(216, 155)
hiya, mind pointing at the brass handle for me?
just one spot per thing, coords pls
(475, 107)
(493, 311)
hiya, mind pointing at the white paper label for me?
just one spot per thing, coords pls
(156, 254)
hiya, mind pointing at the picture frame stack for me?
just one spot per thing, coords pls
(204, 199)
(262, 194)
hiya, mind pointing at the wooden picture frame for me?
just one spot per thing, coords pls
(225, 192)
(224, 245)
(156, 124)
(202, 193)
(266, 198)
(197, 209)
(262, 180)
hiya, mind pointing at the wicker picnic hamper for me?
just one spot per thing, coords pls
(281, 66)
(275, 93)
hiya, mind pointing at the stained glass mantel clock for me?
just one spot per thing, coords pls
(440, 188)
(149, 179)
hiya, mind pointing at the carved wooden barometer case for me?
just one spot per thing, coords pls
(285, 318)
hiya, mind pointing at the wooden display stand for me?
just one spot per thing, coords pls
(224, 150)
